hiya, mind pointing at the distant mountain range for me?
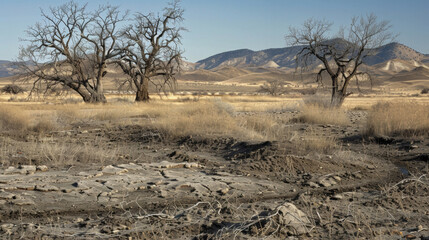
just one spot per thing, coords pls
(7, 68)
(285, 57)
(388, 59)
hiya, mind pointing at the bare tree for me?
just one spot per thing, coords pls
(341, 57)
(151, 52)
(273, 87)
(71, 48)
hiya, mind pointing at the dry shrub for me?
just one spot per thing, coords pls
(320, 144)
(62, 153)
(263, 125)
(318, 114)
(398, 119)
(108, 115)
(12, 89)
(45, 124)
(198, 119)
(13, 118)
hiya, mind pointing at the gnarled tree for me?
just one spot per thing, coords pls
(151, 50)
(273, 87)
(71, 48)
(341, 57)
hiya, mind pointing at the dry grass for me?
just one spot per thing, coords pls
(318, 114)
(264, 125)
(199, 119)
(318, 144)
(398, 119)
(60, 154)
(12, 118)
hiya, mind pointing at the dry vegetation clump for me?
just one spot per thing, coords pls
(63, 153)
(398, 119)
(45, 124)
(264, 125)
(318, 114)
(13, 118)
(12, 89)
(314, 143)
(197, 119)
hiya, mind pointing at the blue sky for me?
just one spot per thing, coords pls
(216, 26)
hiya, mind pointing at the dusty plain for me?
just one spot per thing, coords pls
(223, 163)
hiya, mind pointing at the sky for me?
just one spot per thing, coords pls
(215, 26)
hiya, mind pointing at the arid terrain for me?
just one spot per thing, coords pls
(215, 167)
(214, 120)
(221, 158)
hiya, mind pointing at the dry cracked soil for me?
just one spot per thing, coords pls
(222, 188)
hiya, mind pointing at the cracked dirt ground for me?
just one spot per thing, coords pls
(218, 187)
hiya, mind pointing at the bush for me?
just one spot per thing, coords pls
(425, 91)
(12, 118)
(318, 114)
(398, 119)
(12, 89)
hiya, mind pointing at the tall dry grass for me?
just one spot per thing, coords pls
(201, 118)
(398, 119)
(206, 118)
(318, 114)
(12, 118)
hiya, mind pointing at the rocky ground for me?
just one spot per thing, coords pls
(221, 187)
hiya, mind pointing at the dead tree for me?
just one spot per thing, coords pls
(71, 48)
(151, 52)
(273, 87)
(341, 57)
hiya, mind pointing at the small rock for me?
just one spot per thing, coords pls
(25, 186)
(22, 202)
(29, 169)
(420, 228)
(313, 185)
(111, 170)
(3, 202)
(66, 190)
(357, 175)
(224, 191)
(325, 182)
(192, 165)
(6, 195)
(42, 168)
(293, 218)
(337, 178)
(46, 188)
(337, 197)
(410, 236)
(164, 194)
(370, 167)
(7, 228)
(13, 170)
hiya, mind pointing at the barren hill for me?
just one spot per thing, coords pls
(285, 57)
(7, 68)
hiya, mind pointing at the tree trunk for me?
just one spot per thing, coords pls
(337, 98)
(96, 98)
(91, 98)
(142, 94)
